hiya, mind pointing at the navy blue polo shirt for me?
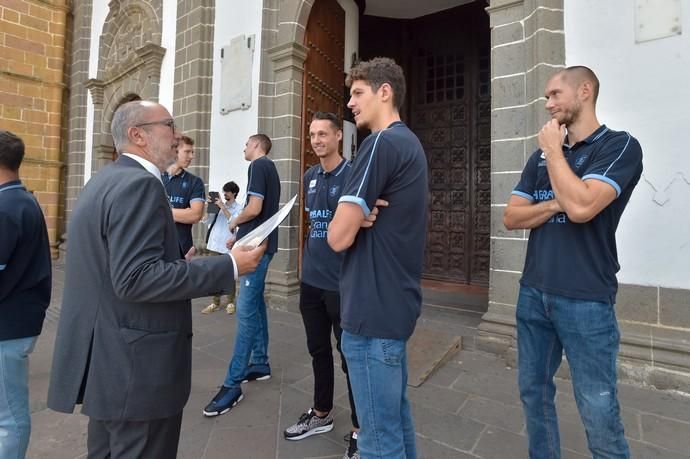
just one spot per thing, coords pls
(25, 276)
(263, 182)
(320, 264)
(579, 260)
(183, 189)
(381, 272)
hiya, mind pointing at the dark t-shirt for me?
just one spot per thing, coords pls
(264, 183)
(183, 189)
(579, 260)
(320, 264)
(381, 272)
(25, 276)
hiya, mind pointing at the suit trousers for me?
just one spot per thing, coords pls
(155, 439)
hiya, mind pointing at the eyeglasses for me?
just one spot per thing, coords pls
(170, 123)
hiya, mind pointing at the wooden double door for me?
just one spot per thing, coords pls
(446, 59)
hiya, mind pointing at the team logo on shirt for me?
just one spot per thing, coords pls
(580, 161)
(185, 184)
(333, 191)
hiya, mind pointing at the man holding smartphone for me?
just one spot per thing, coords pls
(219, 233)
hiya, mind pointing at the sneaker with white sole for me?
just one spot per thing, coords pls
(230, 308)
(226, 398)
(309, 424)
(257, 373)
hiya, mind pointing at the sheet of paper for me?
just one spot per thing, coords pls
(261, 232)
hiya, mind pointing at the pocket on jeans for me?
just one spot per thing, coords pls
(392, 351)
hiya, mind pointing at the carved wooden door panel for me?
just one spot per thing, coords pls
(324, 79)
(451, 115)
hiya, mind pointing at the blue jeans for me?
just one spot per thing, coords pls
(588, 332)
(378, 374)
(251, 341)
(15, 421)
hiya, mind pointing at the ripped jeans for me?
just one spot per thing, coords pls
(587, 331)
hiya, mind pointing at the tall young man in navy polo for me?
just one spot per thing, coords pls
(571, 195)
(250, 357)
(24, 294)
(186, 193)
(381, 272)
(319, 301)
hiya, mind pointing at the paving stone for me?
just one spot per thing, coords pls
(495, 443)
(640, 450)
(437, 398)
(649, 400)
(225, 443)
(485, 364)
(57, 435)
(456, 431)
(662, 431)
(488, 386)
(445, 376)
(573, 436)
(430, 449)
(496, 414)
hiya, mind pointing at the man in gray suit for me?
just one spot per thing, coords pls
(123, 346)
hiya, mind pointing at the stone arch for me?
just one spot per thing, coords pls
(280, 116)
(130, 24)
(129, 63)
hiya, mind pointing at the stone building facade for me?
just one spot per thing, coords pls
(132, 58)
(33, 38)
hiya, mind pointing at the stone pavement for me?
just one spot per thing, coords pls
(469, 408)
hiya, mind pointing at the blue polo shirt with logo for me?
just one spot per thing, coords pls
(381, 272)
(320, 264)
(579, 260)
(264, 183)
(25, 276)
(183, 189)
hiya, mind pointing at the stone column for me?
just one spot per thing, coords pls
(78, 97)
(527, 46)
(192, 88)
(287, 63)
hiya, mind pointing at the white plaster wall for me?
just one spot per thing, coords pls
(98, 14)
(230, 132)
(644, 90)
(169, 29)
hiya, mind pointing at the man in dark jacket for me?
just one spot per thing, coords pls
(24, 294)
(124, 343)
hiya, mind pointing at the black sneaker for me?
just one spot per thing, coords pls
(257, 373)
(309, 424)
(225, 399)
(352, 452)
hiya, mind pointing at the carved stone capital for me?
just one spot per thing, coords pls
(288, 55)
(95, 87)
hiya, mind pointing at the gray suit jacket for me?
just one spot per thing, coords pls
(123, 346)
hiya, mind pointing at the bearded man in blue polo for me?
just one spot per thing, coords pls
(571, 195)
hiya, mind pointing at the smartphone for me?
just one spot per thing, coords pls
(212, 207)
